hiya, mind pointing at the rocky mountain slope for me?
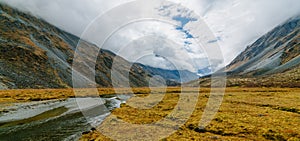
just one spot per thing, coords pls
(36, 54)
(275, 52)
(272, 61)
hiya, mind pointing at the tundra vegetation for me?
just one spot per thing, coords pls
(245, 114)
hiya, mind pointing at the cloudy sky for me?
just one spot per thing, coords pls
(234, 23)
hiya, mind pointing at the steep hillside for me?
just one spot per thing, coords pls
(275, 52)
(271, 61)
(35, 54)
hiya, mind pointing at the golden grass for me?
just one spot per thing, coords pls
(245, 114)
(24, 95)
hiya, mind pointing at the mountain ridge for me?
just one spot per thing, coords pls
(281, 43)
(273, 60)
(36, 54)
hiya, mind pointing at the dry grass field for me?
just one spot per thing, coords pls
(245, 114)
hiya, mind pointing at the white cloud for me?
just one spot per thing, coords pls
(152, 43)
(238, 23)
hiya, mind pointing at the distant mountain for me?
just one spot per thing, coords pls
(205, 71)
(272, 60)
(36, 54)
(175, 75)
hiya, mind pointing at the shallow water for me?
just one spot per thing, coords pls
(64, 121)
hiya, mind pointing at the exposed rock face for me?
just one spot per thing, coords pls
(276, 51)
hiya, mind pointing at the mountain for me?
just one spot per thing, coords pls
(272, 61)
(175, 75)
(36, 54)
(275, 52)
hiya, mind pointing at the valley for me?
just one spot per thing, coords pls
(39, 101)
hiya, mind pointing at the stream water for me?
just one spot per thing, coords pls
(55, 120)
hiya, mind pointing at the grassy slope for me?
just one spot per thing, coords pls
(289, 78)
(35, 54)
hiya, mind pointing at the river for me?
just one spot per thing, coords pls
(57, 120)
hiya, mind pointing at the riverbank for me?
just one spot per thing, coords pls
(26, 95)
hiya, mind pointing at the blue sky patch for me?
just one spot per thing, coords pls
(183, 20)
(187, 33)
